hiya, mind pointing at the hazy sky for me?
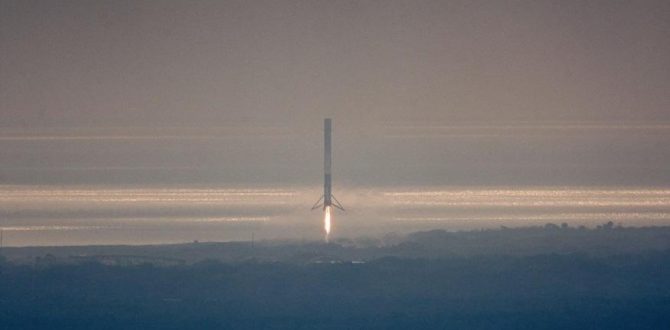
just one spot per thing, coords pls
(421, 92)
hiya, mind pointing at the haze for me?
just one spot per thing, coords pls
(426, 96)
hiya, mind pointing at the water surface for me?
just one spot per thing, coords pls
(72, 215)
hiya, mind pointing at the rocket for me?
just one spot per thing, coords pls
(327, 199)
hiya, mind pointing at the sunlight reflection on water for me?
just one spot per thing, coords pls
(82, 215)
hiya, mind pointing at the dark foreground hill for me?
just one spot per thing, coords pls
(601, 241)
(504, 290)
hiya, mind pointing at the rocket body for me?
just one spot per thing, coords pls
(327, 156)
(327, 199)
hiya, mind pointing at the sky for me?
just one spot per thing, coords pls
(420, 92)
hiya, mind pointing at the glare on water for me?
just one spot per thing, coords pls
(64, 215)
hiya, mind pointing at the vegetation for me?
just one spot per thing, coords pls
(546, 290)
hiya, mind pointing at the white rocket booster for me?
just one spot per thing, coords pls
(327, 199)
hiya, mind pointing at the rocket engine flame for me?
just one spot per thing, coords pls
(327, 200)
(326, 222)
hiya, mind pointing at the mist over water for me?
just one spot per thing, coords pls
(73, 215)
(64, 186)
